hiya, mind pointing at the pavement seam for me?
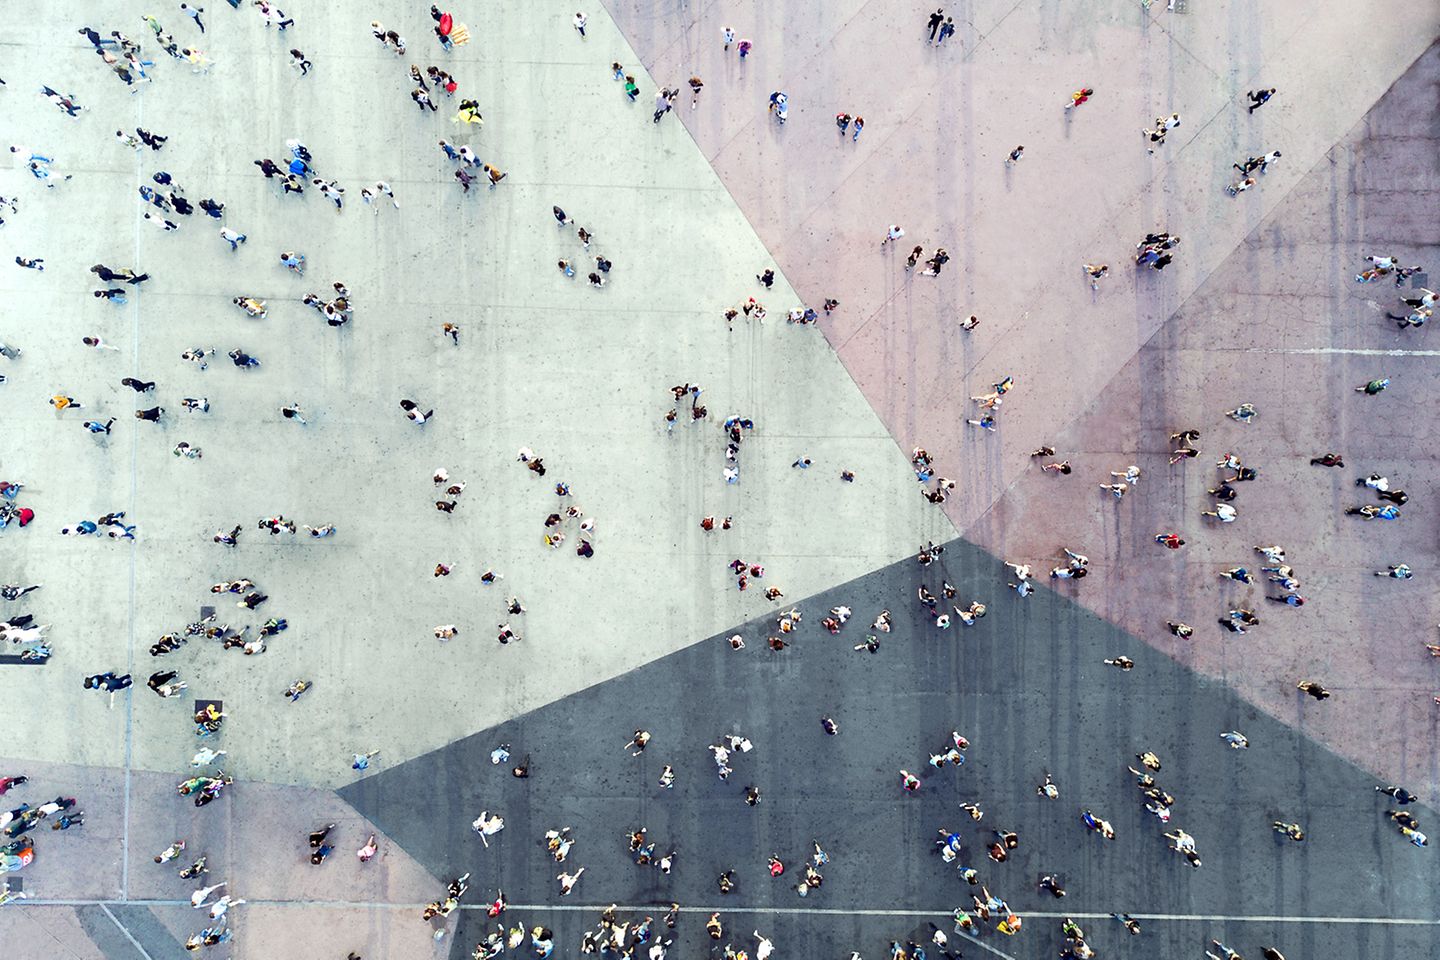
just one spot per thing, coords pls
(121, 927)
(134, 553)
(662, 54)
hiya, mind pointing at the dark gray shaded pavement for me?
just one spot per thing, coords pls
(1026, 686)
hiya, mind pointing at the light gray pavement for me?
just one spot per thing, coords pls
(582, 376)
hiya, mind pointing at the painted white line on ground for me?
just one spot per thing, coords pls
(1345, 351)
(596, 908)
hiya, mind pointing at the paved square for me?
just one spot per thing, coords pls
(1259, 306)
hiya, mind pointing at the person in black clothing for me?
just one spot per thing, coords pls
(110, 276)
(1259, 98)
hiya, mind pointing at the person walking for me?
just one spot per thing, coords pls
(1374, 386)
(1258, 99)
(194, 14)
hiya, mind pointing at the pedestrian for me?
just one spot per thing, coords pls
(108, 681)
(109, 276)
(232, 237)
(1222, 512)
(1015, 156)
(1314, 688)
(194, 14)
(728, 36)
(1163, 125)
(299, 61)
(1400, 794)
(744, 47)
(380, 187)
(947, 29)
(936, 19)
(695, 84)
(1240, 186)
(1374, 386)
(65, 103)
(579, 24)
(859, 125)
(1260, 98)
(412, 411)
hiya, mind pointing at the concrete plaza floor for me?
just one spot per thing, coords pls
(690, 210)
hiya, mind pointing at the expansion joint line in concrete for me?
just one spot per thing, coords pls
(134, 559)
(121, 927)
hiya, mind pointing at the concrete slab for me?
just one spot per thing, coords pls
(543, 362)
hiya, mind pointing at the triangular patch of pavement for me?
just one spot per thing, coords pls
(1026, 685)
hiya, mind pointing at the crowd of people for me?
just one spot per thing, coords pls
(567, 523)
